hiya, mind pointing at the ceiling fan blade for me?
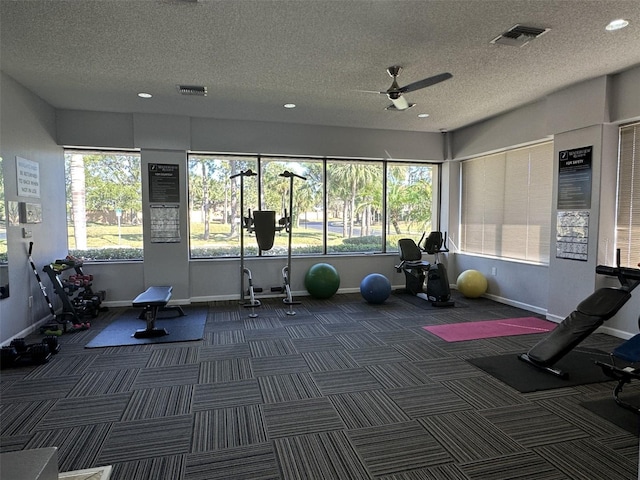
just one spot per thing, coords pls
(372, 91)
(427, 82)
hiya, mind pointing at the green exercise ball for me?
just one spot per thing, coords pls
(322, 280)
(472, 283)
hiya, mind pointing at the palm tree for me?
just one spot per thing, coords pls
(348, 180)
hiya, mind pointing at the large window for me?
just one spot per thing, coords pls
(339, 206)
(506, 204)
(216, 185)
(307, 219)
(628, 211)
(104, 204)
(409, 202)
(354, 206)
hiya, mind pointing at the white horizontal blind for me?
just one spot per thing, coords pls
(628, 211)
(506, 204)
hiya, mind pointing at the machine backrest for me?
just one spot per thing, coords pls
(433, 243)
(409, 251)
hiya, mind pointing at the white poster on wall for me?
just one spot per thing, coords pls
(165, 223)
(572, 239)
(28, 177)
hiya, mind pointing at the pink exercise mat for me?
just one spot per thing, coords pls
(458, 332)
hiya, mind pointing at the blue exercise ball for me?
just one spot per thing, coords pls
(375, 288)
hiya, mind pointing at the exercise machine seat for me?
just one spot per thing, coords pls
(411, 254)
(629, 351)
(412, 265)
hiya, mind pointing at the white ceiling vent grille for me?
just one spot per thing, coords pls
(519, 35)
(192, 90)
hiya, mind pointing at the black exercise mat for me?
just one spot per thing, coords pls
(608, 409)
(181, 329)
(509, 369)
(426, 304)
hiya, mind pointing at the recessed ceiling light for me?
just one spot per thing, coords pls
(145, 95)
(289, 105)
(423, 115)
(617, 24)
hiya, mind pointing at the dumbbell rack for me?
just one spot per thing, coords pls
(78, 299)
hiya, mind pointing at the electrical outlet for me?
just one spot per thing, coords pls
(494, 271)
(31, 301)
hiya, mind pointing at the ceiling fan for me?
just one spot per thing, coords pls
(395, 92)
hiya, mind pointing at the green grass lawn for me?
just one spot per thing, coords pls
(101, 236)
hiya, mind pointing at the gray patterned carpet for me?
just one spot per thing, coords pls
(342, 390)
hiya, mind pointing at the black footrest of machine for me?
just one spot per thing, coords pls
(150, 333)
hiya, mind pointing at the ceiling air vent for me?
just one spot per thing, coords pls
(519, 35)
(192, 90)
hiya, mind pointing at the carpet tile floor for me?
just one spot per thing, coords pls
(343, 390)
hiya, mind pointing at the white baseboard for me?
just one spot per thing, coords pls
(29, 330)
(513, 303)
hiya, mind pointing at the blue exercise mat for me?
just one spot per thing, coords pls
(181, 328)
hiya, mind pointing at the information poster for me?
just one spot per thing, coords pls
(164, 183)
(574, 179)
(28, 177)
(572, 238)
(165, 223)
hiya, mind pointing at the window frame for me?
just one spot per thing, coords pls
(435, 170)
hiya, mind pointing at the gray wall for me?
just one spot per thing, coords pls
(32, 129)
(586, 114)
(27, 130)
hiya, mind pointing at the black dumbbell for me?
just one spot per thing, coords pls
(19, 344)
(52, 342)
(9, 356)
(39, 352)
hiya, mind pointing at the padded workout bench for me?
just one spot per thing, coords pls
(154, 299)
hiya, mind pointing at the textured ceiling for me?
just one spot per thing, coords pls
(256, 55)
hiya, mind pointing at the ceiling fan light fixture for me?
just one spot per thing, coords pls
(399, 101)
(617, 24)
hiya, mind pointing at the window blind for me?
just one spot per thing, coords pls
(506, 204)
(628, 201)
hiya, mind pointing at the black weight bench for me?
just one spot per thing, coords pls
(153, 300)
